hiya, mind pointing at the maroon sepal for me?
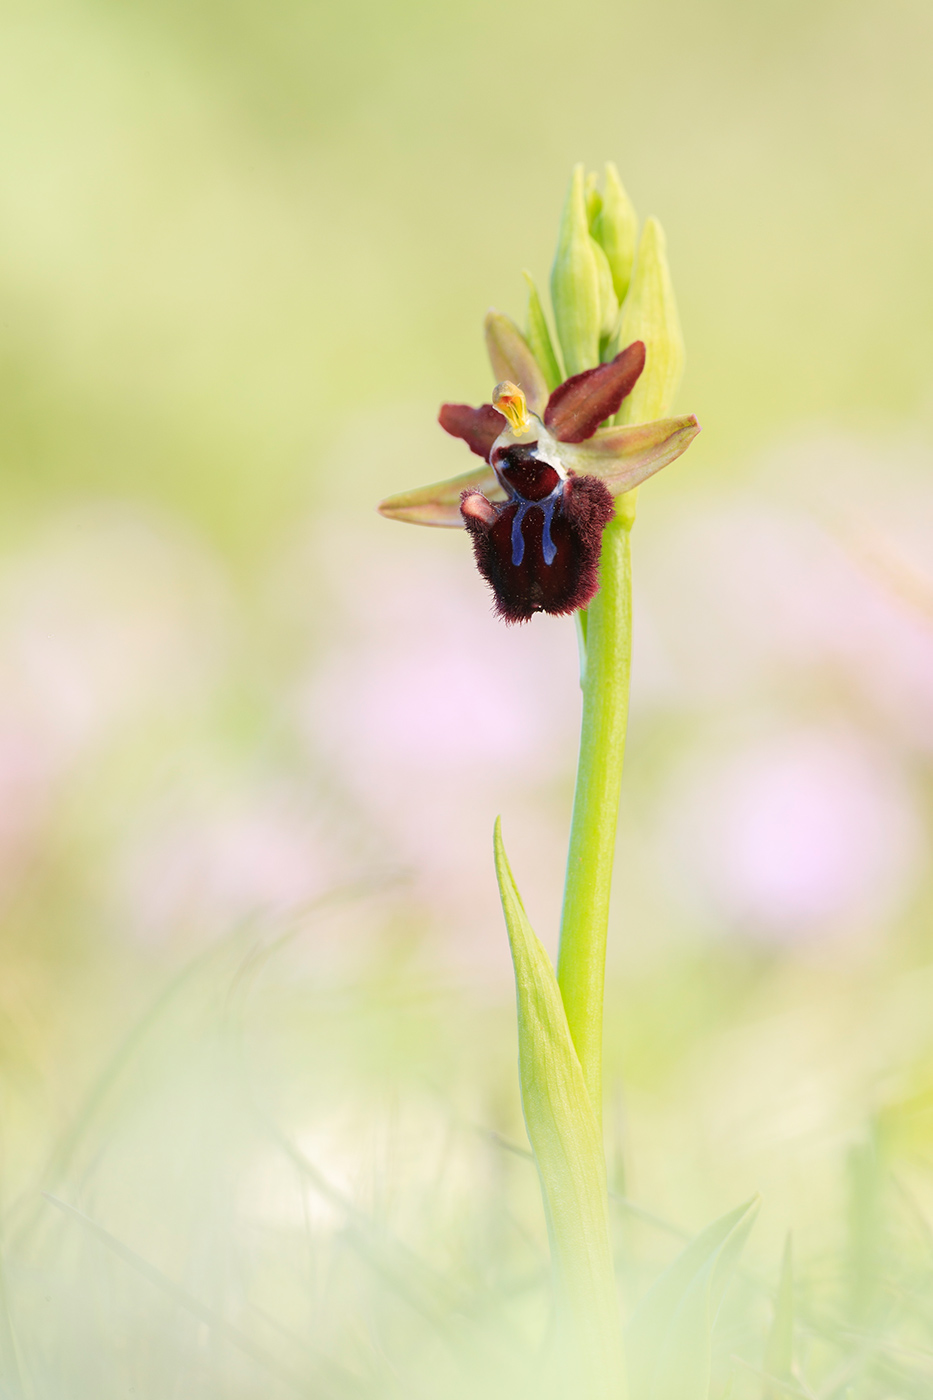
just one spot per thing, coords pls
(571, 578)
(578, 406)
(479, 427)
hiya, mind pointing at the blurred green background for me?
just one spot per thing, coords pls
(255, 1009)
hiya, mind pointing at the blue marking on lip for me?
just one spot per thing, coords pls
(548, 547)
(518, 539)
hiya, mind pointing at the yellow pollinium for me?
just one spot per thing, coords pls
(510, 402)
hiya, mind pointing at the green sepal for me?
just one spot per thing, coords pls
(575, 284)
(650, 314)
(512, 358)
(669, 1334)
(539, 337)
(567, 1146)
(625, 457)
(779, 1348)
(615, 229)
(439, 503)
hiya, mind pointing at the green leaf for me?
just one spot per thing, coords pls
(539, 337)
(650, 314)
(512, 358)
(568, 1151)
(575, 284)
(779, 1348)
(615, 228)
(669, 1334)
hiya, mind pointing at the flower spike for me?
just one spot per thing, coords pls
(552, 465)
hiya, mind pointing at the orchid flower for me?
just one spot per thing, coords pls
(538, 505)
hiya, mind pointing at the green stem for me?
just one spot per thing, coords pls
(581, 964)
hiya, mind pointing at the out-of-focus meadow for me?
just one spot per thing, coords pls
(256, 1017)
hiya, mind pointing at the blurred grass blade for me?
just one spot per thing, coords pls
(329, 1379)
(11, 1362)
(792, 1387)
(669, 1334)
(422, 1287)
(568, 1152)
(650, 314)
(867, 1174)
(779, 1348)
(539, 337)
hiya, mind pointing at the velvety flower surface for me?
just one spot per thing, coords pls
(537, 507)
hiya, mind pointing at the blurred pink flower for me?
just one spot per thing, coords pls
(106, 613)
(746, 594)
(107, 616)
(205, 866)
(803, 833)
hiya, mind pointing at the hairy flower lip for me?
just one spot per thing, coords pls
(540, 555)
(621, 457)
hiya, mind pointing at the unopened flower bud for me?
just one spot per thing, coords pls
(575, 284)
(594, 200)
(650, 314)
(608, 302)
(615, 228)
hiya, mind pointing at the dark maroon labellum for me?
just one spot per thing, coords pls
(538, 551)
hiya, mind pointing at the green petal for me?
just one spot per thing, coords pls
(669, 1333)
(439, 503)
(625, 457)
(512, 358)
